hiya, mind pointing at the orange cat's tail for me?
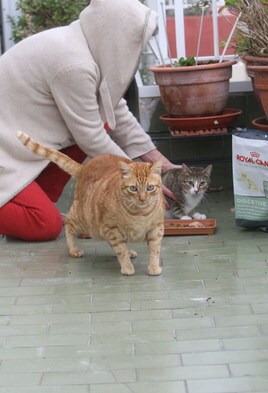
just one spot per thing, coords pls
(64, 162)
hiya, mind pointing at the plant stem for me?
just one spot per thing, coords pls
(199, 34)
(229, 38)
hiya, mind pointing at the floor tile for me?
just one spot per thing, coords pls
(182, 373)
(43, 389)
(139, 387)
(79, 326)
(229, 385)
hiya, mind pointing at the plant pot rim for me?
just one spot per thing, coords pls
(254, 58)
(263, 68)
(260, 123)
(207, 66)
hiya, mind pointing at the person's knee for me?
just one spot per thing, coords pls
(42, 226)
(50, 228)
(30, 216)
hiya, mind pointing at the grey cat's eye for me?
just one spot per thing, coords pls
(133, 188)
(150, 187)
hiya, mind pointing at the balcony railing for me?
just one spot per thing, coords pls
(181, 34)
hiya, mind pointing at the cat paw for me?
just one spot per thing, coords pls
(186, 218)
(128, 270)
(199, 216)
(154, 270)
(76, 253)
(132, 254)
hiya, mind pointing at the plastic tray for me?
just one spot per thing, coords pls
(187, 227)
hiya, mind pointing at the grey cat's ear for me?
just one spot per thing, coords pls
(124, 168)
(208, 170)
(185, 168)
(157, 167)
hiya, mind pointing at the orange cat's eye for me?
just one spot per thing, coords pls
(150, 187)
(133, 188)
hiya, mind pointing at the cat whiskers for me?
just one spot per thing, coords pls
(134, 205)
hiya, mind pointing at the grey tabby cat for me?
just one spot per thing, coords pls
(189, 185)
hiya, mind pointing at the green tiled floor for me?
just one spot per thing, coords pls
(78, 326)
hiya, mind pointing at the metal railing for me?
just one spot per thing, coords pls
(177, 7)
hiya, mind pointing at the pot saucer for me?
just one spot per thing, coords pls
(203, 122)
(260, 123)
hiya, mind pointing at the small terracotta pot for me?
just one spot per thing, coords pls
(260, 76)
(200, 90)
(254, 61)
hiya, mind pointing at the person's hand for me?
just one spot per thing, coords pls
(155, 155)
(167, 192)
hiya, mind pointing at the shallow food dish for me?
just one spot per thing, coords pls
(190, 227)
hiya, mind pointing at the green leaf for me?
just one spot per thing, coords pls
(184, 62)
(39, 15)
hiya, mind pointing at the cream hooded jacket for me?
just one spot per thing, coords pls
(61, 85)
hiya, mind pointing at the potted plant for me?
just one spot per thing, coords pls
(190, 87)
(251, 35)
(250, 41)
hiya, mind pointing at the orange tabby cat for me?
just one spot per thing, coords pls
(115, 199)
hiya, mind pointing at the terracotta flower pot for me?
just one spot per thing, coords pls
(200, 90)
(254, 61)
(260, 85)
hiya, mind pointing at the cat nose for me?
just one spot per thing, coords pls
(142, 197)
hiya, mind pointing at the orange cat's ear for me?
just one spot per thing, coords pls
(124, 168)
(156, 167)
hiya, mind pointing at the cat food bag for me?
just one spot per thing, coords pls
(250, 178)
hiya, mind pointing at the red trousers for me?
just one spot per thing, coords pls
(31, 215)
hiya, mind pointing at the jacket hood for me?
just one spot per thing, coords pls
(116, 32)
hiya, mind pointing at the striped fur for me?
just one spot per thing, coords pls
(64, 162)
(189, 185)
(116, 200)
